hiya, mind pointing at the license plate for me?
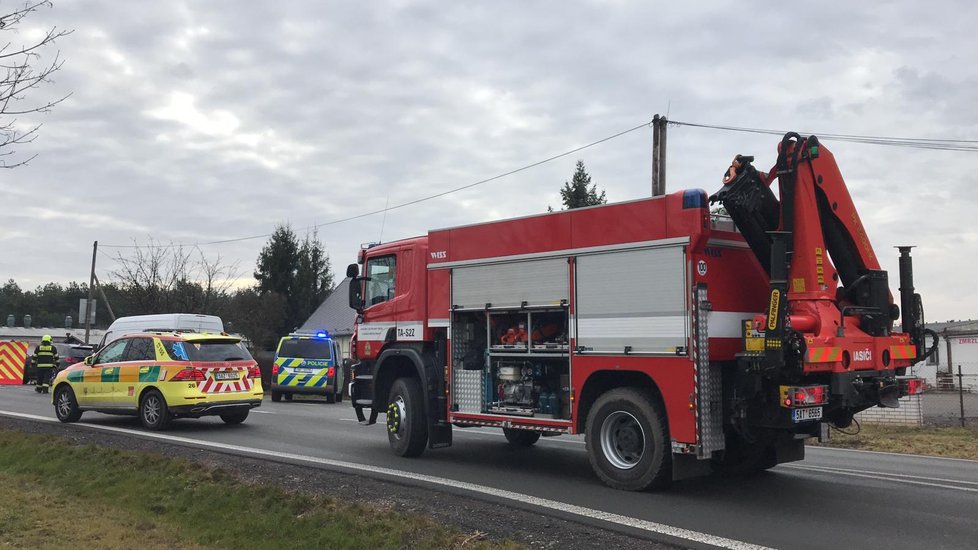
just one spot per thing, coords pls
(804, 415)
(305, 371)
(225, 376)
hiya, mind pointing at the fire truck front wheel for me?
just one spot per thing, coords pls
(628, 440)
(407, 424)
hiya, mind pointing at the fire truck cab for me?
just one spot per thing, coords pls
(667, 335)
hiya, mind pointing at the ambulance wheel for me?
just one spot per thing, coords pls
(276, 396)
(153, 412)
(627, 438)
(65, 405)
(235, 417)
(407, 423)
(521, 438)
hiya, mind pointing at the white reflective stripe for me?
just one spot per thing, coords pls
(373, 331)
(633, 327)
(728, 324)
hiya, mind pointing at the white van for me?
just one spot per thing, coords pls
(186, 322)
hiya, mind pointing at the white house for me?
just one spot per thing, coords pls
(957, 347)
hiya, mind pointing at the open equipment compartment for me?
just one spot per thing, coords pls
(512, 362)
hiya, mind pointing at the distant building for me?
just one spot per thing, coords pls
(58, 334)
(957, 346)
(334, 315)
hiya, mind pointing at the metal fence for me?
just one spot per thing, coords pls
(954, 402)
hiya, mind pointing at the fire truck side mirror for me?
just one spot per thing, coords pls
(356, 294)
(352, 271)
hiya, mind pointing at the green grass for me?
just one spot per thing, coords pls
(57, 495)
(933, 441)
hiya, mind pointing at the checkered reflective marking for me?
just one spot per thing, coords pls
(708, 381)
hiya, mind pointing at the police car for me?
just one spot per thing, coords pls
(307, 364)
(161, 376)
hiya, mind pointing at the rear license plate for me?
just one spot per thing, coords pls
(804, 415)
(305, 371)
(225, 376)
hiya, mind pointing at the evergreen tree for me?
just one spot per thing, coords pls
(297, 272)
(277, 262)
(313, 278)
(579, 191)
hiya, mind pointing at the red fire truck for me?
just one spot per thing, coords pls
(678, 341)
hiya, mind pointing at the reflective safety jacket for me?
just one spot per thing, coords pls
(45, 356)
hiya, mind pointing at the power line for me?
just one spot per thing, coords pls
(415, 201)
(915, 143)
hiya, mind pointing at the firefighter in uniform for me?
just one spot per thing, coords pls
(45, 359)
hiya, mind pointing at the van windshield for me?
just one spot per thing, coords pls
(206, 350)
(306, 348)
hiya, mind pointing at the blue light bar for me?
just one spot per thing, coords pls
(322, 334)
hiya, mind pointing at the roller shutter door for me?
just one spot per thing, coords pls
(633, 299)
(536, 282)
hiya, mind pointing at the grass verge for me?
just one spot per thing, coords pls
(56, 495)
(932, 441)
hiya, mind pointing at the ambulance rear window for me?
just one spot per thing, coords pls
(206, 350)
(306, 349)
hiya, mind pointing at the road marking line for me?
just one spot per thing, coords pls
(618, 519)
(882, 477)
(263, 412)
(887, 474)
(833, 449)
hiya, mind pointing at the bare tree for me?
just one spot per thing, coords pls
(23, 71)
(160, 278)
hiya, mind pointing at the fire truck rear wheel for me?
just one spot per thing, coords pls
(521, 438)
(407, 423)
(627, 437)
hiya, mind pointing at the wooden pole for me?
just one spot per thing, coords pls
(105, 299)
(659, 155)
(91, 284)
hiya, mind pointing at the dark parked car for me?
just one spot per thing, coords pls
(68, 354)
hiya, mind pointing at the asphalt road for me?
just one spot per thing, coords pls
(835, 498)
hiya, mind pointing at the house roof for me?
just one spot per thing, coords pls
(334, 314)
(969, 326)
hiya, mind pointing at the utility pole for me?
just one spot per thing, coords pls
(91, 284)
(105, 299)
(659, 155)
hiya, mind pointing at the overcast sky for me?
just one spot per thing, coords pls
(195, 122)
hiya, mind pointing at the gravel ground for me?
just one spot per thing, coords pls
(469, 514)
